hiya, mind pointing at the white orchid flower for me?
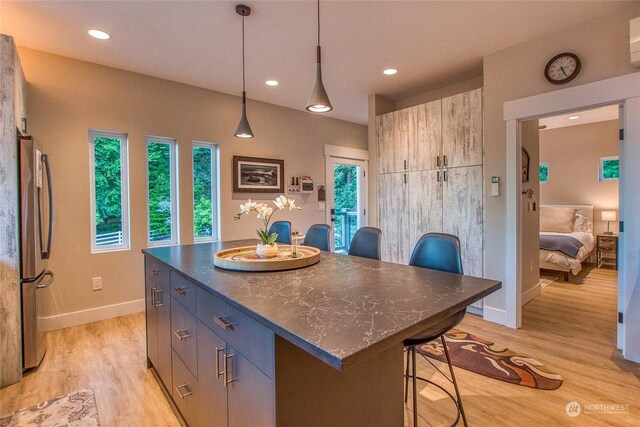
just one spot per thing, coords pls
(292, 204)
(264, 212)
(280, 202)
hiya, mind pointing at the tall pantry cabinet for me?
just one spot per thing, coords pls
(430, 177)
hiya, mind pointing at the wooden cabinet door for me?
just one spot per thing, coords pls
(393, 141)
(393, 217)
(152, 322)
(212, 399)
(425, 205)
(425, 136)
(384, 129)
(462, 214)
(250, 394)
(462, 129)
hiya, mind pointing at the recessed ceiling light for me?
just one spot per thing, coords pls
(574, 117)
(390, 71)
(99, 34)
(271, 83)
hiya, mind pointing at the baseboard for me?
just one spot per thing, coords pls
(81, 317)
(531, 293)
(494, 315)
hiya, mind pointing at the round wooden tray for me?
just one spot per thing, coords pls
(246, 259)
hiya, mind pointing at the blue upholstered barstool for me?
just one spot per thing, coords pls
(366, 243)
(436, 251)
(283, 228)
(318, 237)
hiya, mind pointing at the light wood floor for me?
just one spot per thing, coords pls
(570, 328)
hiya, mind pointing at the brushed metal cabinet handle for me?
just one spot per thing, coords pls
(438, 161)
(180, 290)
(189, 392)
(152, 295)
(223, 322)
(156, 292)
(444, 175)
(444, 160)
(219, 373)
(156, 272)
(225, 368)
(182, 334)
(405, 164)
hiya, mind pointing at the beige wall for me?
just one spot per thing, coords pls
(530, 217)
(517, 72)
(443, 92)
(573, 154)
(68, 97)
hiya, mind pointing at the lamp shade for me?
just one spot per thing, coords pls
(609, 215)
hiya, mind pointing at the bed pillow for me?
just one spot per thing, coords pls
(558, 220)
(582, 223)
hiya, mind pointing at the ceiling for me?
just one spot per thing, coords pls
(432, 44)
(610, 112)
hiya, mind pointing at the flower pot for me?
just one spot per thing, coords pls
(267, 251)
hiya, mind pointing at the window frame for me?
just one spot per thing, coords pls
(124, 183)
(215, 191)
(173, 176)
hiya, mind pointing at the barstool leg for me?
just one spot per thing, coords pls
(453, 378)
(406, 379)
(415, 393)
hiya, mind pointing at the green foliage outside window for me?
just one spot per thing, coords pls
(544, 172)
(202, 194)
(346, 203)
(159, 162)
(108, 185)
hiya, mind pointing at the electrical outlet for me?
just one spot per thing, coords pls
(97, 283)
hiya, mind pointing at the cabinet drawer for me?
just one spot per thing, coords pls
(185, 390)
(184, 336)
(156, 272)
(249, 337)
(184, 291)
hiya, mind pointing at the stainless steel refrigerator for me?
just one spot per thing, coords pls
(36, 231)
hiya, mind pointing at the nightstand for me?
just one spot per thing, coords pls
(607, 250)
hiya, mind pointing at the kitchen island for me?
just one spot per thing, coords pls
(318, 346)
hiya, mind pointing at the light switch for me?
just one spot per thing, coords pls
(495, 186)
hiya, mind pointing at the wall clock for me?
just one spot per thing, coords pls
(562, 68)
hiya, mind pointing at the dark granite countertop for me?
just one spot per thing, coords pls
(342, 310)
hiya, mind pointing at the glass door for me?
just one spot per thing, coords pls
(346, 200)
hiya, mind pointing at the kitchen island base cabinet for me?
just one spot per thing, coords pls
(158, 319)
(311, 393)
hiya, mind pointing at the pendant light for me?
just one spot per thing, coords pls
(244, 129)
(319, 100)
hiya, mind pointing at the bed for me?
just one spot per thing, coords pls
(556, 224)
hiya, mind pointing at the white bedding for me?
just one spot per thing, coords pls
(565, 261)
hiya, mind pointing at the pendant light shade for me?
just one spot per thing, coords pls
(244, 129)
(319, 100)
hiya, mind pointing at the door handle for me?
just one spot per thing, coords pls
(225, 369)
(444, 175)
(438, 161)
(223, 322)
(444, 160)
(438, 176)
(48, 282)
(157, 291)
(186, 387)
(219, 373)
(45, 162)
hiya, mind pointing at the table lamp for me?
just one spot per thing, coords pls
(609, 216)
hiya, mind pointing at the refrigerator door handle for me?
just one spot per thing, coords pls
(48, 282)
(45, 162)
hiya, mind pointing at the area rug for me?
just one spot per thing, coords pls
(77, 409)
(487, 358)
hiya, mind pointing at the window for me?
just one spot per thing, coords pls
(109, 177)
(162, 191)
(609, 168)
(205, 194)
(543, 171)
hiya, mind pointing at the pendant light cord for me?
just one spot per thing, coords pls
(318, 22)
(243, 55)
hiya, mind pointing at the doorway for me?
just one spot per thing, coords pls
(625, 91)
(346, 204)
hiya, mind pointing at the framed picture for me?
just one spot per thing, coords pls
(609, 168)
(543, 171)
(254, 175)
(525, 165)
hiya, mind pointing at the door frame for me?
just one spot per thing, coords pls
(625, 91)
(349, 156)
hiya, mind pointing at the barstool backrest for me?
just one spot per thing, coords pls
(366, 243)
(318, 237)
(438, 251)
(283, 228)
